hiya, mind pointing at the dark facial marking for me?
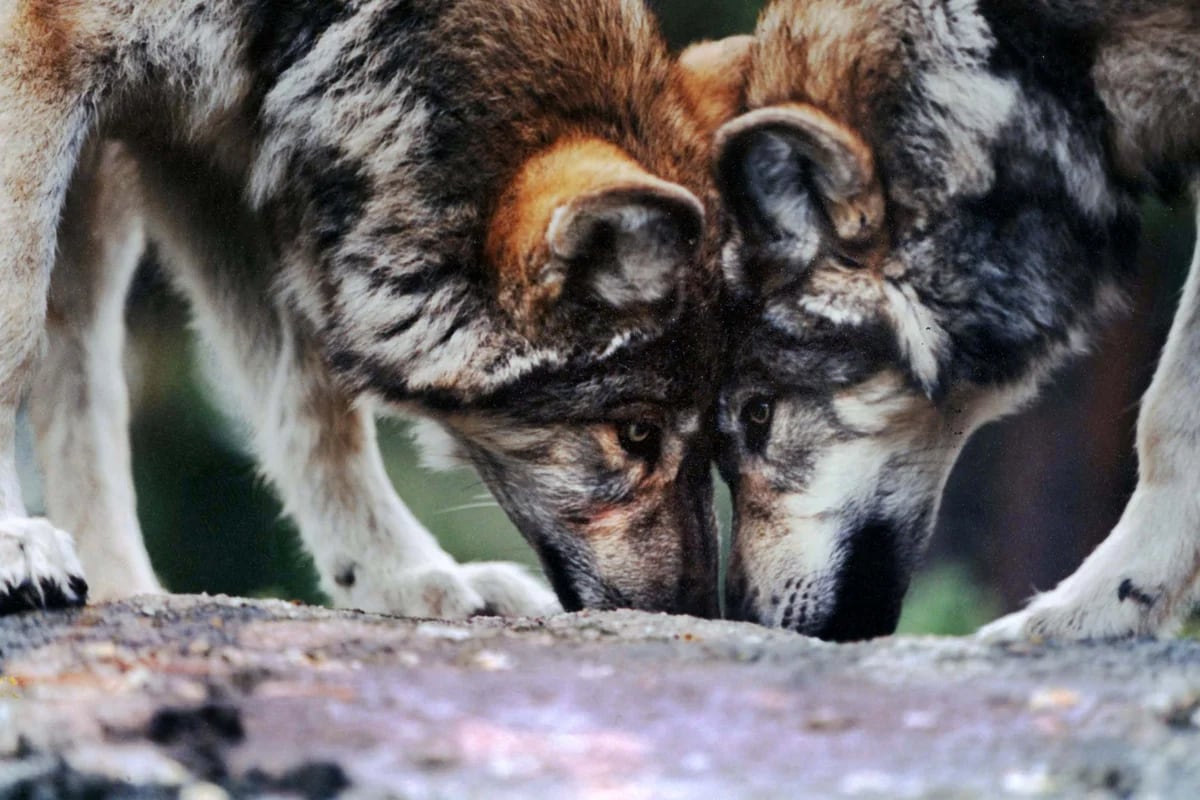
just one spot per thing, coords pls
(557, 568)
(871, 586)
(641, 440)
(1053, 51)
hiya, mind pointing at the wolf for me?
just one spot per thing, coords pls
(931, 206)
(487, 215)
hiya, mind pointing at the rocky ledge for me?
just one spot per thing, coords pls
(212, 697)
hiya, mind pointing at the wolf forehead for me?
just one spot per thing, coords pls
(673, 374)
(1004, 226)
(400, 136)
(883, 67)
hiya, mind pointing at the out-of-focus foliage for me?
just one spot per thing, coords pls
(685, 21)
(946, 599)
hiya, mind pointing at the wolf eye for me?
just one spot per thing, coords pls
(756, 421)
(758, 412)
(641, 440)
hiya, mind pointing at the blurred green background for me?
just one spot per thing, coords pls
(1029, 499)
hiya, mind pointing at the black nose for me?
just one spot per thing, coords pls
(871, 586)
(740, 600)
(700, 600)
(556, 564)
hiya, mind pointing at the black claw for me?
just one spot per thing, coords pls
(1128, 590)
(79, 587)
(47, 594)
(487, 610)
(53, 595)
(15, 599)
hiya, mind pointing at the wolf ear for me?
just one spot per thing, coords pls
(625, 245)
(584, 222)
(792, 171)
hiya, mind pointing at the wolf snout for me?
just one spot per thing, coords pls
(853, 595)
(873, 578)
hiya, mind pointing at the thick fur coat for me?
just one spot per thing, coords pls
(486, 214)
(932, 205)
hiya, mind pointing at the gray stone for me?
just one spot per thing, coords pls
(208, 697)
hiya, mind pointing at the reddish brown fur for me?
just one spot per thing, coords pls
(47, 30)
(712, 77)
(516, 247)
(677, 103)
(835, 56)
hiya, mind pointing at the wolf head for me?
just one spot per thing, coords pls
(922, 221)
(515, 247)
(601, 452)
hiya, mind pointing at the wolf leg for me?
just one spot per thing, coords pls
(318, 447)
(42, 126)
(78, 402)
(314, 441)
(1141, 580)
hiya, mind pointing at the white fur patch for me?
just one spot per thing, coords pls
(439, 450)
(868, 408)
(845, 474)
(812, 539)
(35, 552)
(922, 340)
(981, 105)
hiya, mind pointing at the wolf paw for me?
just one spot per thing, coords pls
(454, 592)
(38, 567)
(1051, 616)
(509, 590)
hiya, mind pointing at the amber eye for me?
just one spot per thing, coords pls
(641, 440)
(758, 412)
(756, 422)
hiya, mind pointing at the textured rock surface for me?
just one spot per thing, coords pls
(204, 697)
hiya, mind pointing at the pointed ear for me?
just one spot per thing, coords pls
(713, 78)
(793, 171)
(584, 222)
(626, 245)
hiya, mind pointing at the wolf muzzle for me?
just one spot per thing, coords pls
(860, 600)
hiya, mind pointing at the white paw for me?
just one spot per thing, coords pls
(451, 591)
(1058, 616)
(1009, 628)
(38, 567)
(510, 591)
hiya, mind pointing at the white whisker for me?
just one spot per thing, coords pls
(467, 507)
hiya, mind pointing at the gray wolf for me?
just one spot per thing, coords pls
(933, 204)
(488, 215)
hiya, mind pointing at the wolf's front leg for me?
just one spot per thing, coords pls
(317, 445)
(319, 448)
(79, 403)
(1141, 580)
(41, 127)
